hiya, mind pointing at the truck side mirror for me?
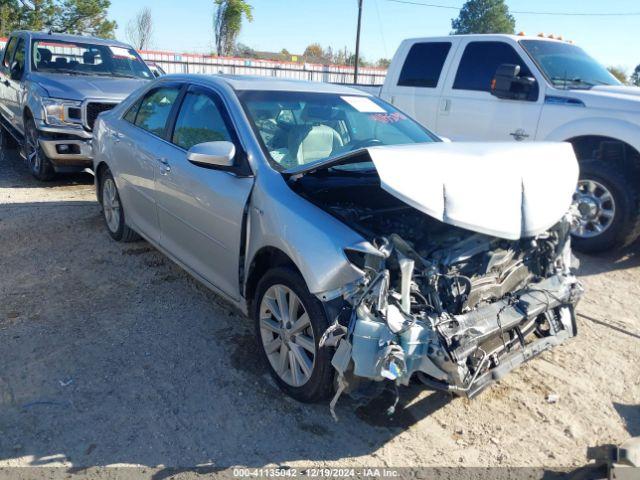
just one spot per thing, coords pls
(509, 85)
(16, 71)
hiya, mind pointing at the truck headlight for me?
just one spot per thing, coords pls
(62, 112)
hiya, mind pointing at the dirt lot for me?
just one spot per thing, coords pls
(112, 355)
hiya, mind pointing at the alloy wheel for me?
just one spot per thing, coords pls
(32, 148)
(287, 335)
(597, 209)
(111, 205)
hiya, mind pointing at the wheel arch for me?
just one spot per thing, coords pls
(266, 258)
(99, 173)
(611, 150)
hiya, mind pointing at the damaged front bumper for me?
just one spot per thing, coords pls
(462, 354)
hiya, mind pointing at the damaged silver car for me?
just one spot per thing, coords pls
(368, 251)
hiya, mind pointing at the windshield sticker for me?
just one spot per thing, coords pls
(388, 117)
(121, 52)
(363, 104)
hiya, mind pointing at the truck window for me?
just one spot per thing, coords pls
(19, 57)
(8, 52)
(479, 64)
(423, 65)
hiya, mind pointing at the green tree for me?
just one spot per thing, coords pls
(227, 23)
(619, 73)
(484, 16)
(383, 63)
(85, 17)
(635, 77)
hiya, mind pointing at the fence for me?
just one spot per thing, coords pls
(172, 62)
(191, 63)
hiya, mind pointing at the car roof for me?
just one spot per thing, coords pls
(70, 38)
(481, 36)
(241, 83)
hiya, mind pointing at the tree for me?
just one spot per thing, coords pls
(635, 77)
(140, 29)
(383, 63)
(619, 73)
(227, 23)
(484, 16)
(84, 17)
(314, 53)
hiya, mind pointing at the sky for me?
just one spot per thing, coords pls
(186, 25)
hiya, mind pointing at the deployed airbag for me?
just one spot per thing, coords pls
(505, 190)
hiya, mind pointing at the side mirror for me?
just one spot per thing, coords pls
(213, 154)
(508, 85)
(16, 71)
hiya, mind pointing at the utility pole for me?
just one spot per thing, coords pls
(357, 60)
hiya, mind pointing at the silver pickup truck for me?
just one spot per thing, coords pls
(52, 89)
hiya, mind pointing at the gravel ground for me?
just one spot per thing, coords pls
(113, 355)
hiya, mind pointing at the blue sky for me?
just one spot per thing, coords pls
(185, 25)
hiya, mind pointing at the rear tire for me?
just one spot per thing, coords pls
(37, 162)
(113, 210)
(301, 374)
(609, 203)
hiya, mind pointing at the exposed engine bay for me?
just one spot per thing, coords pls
(455, 308)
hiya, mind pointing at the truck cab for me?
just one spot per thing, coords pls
(52, 89)
(506, 88)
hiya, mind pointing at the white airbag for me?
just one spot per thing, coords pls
(506, 190)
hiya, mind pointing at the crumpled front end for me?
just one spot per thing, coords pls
(458, 314)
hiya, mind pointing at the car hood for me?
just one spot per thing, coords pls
(610, 97)
(77, 87)
(505, 190)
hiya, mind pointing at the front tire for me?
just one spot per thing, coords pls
(37, 162)
(609, 206)
(289, 322)
(113, 211)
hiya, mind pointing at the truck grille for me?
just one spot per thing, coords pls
(94, 109)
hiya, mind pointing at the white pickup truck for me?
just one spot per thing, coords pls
(519, 88)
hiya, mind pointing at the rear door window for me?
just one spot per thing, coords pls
(155, 110)
(423, 65)
(479, 64)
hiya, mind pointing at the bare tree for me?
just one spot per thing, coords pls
(140, 29)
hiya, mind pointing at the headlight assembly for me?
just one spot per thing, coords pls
(62, 112)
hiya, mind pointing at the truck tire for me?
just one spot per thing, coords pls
(37, 162)
(609, 206)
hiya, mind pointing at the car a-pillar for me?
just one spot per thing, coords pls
(608, 194)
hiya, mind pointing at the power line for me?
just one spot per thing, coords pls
(526, 12)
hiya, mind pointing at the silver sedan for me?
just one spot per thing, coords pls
(284, 198)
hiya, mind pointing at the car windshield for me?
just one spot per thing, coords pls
(298, 128)
(88, 59)
(567, 66)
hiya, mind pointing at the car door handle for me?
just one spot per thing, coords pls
(6, 83)
(165, 168)
(519, 135)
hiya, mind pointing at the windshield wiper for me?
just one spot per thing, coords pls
(572, 81)
(65, 71)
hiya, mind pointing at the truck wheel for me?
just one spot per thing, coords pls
(609, 206)
(38, 163)
(289, 323)
(113, 211)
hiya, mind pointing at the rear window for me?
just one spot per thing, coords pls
(480, 63)
(424, 65)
